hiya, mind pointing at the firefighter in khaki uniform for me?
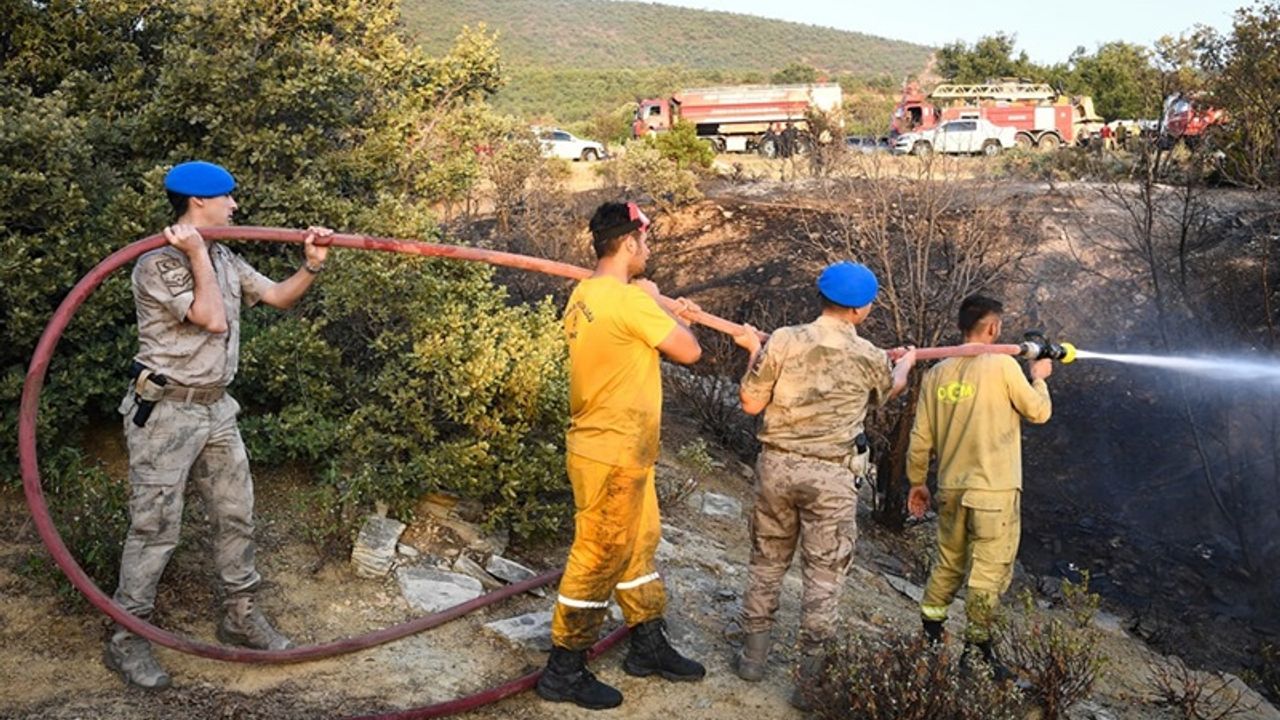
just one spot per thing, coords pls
(969, 416)
(814, 383)
(615, 330)
(179, 421)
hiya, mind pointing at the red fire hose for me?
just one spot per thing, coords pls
(33, 489)
(28, 460)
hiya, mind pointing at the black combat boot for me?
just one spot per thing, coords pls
(809, 676)
(933, 630)
(987, 653)
(567, 679)
(651, 653)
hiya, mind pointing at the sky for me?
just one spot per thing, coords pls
(1048, 32)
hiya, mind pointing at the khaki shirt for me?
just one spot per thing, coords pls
(818, 381)
(969, 415)
(163, 290)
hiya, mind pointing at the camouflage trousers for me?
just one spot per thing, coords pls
(616, 533)
(812, 501)
(181, 440)
(978, 534)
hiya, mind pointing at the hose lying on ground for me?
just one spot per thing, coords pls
(32, 487)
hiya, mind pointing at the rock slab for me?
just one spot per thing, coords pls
(530, 630)
(375, 547)
(511, 571)
(429, 590)
(717, 505)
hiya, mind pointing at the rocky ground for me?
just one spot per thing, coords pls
(744, 236)
(52, 666)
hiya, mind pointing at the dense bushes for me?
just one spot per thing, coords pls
(900, 677)
(408, 376)
(392, 375)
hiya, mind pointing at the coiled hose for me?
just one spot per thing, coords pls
(32, 488)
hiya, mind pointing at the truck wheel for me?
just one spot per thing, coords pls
(590, 155)
(991, 148)
(769, 148)
(922, 148)
(1048, 142)
(1024, 141)
(717, 144)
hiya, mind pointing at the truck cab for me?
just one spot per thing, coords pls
(652, 115)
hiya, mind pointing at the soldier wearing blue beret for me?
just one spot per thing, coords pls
(179, 420)
(815, 384)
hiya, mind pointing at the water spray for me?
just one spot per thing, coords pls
(1036, 346)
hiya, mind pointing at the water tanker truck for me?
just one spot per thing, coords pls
(741, 118)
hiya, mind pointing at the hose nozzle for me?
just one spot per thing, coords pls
(1035, 346)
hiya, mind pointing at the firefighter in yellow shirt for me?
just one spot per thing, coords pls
(969, 417)
(616, 330)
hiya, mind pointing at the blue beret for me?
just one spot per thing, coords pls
(199, 179)
(848, 284)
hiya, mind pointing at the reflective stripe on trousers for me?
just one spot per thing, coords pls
(616, 533)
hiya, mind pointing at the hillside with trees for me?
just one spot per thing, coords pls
(571, 59)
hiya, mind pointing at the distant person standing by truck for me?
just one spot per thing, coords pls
(790, 140)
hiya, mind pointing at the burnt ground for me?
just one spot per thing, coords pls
(52, 666)
(1089, 505)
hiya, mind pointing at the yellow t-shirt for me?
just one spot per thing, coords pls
(615, 378)
(970, 417)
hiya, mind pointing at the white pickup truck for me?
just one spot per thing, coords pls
(563, 144)
(958, 137)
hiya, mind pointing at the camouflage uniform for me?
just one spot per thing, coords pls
(818, 381)
(191, 430)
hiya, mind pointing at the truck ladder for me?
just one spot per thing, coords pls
(996, 91)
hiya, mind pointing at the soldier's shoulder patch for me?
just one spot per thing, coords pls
(174, 274)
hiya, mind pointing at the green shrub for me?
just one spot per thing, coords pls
(409, 376)
(391, 376)
(91, 513)
(902, 677)
(642, 171)
(682, 146)
(1060, 658)
(695, 456)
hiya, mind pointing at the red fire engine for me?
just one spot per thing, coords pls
(1042, 118)
(1187, 119)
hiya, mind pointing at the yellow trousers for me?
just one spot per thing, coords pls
(978, 533)
(616, 533)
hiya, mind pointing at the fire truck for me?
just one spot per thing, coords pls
(1042, 118)
(1186, 119)
(740, 118)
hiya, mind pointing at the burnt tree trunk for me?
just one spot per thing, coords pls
(891, 468)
